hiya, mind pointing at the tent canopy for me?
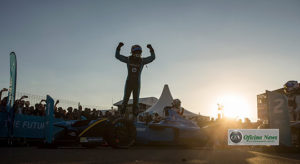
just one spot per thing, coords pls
(164, 100)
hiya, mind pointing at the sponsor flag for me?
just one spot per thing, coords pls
(12, 93)
(49, 119)
(12, 81)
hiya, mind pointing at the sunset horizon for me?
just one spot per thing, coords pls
(204, 50)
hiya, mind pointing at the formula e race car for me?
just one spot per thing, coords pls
(122, 133)
(116, 132)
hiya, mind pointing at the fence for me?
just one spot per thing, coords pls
(64, 103)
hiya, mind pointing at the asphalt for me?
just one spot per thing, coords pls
(142, 154)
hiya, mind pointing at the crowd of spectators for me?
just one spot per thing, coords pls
(79, 114)
(21, 106)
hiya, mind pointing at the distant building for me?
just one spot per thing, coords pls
(262, 105)
(144, 103)
(264, 116)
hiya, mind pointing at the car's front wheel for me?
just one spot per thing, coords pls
(121, 133)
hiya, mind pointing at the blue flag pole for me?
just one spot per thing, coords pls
(49, 120)
(11, 93)
(12, 81)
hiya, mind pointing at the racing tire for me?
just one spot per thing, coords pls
(121, 133)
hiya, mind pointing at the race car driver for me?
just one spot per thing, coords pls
(135, 64)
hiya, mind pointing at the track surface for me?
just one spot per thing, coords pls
(141, 154)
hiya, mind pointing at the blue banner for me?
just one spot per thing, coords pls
(279, 116)
(26, 126)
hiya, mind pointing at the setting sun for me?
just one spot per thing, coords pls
(234, 106)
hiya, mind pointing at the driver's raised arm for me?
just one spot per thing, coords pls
(150, 58)
(119, 56)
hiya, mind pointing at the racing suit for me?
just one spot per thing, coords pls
(133, 82)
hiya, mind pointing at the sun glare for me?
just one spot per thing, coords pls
(234, 106)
